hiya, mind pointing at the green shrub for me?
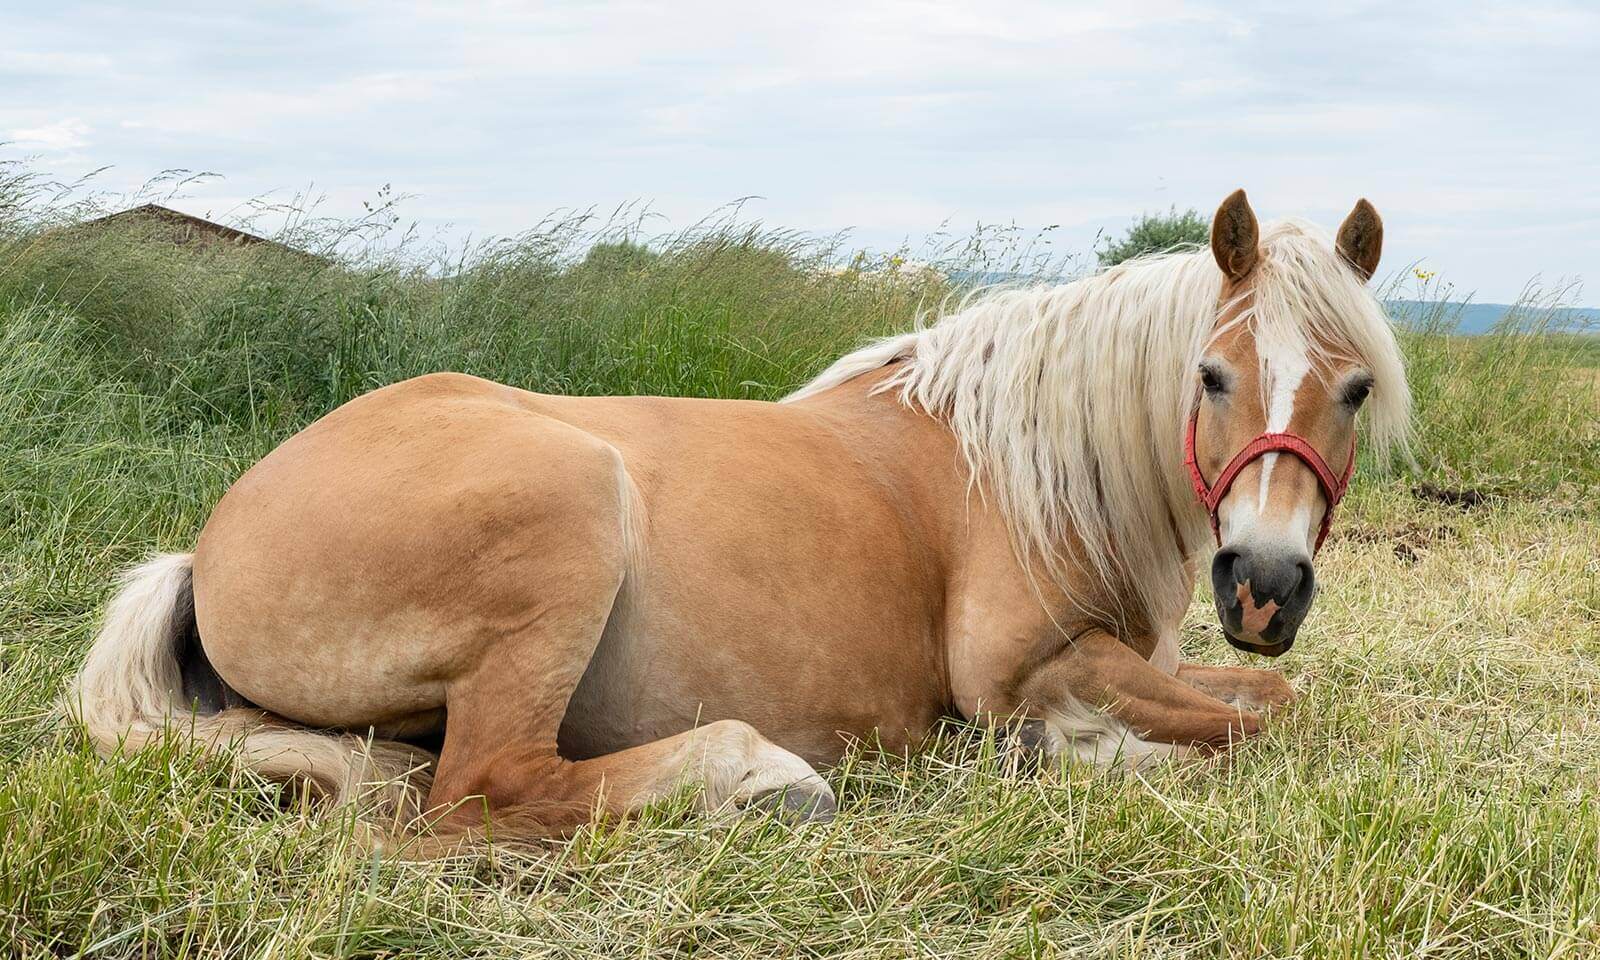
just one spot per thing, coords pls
(1156, 233)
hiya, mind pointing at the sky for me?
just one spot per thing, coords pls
(1474, 128)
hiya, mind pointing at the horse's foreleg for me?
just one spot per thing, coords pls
(1240, 686)
(1102, 701)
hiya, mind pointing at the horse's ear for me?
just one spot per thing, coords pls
(1361, 239)
(1235, 237)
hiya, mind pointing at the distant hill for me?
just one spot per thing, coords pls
(1482, 317)
(1474, 318)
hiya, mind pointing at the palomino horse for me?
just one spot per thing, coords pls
(598, 600)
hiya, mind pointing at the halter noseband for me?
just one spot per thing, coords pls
(1333, 487)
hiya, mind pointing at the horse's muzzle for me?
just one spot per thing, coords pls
(1262, 596)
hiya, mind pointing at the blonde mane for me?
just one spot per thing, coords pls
(1070, 402)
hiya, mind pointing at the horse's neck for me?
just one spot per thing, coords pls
(918, 457)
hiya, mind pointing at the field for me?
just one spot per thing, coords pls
(1436, 792)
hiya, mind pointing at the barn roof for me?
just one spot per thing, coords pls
(184, 228)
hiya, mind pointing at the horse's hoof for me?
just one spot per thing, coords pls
(1031, 738)
(797, 803)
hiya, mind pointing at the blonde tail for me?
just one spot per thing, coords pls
(130, 693)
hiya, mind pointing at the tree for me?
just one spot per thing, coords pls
(619, 256)
(1156, 233)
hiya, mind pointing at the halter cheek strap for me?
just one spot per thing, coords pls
(1333, 487)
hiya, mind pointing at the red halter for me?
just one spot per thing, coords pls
(1211, 495)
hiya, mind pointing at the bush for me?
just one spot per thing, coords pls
(257, 337)
(1156, 233)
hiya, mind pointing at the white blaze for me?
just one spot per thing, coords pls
(1286, 368)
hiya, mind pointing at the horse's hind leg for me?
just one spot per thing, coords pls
(500, 743)
(503, 715)
(528, 788)
(501, 736)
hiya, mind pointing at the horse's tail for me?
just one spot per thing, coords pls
(147, 678)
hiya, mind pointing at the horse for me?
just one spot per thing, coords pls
(587, 604)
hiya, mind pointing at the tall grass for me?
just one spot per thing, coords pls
(1434, 794)
(254, 335)
(1512, 410)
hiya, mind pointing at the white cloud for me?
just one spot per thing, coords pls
(56, 63)
(57, 137)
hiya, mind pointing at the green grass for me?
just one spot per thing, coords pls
(1436, 792)
(1510, 411)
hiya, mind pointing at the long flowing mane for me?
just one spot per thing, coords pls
(1069, 402)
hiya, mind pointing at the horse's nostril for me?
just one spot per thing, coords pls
(1238, 566)
(1227, 568)
(1306, 578)
(1241, 569)
(1293, 579)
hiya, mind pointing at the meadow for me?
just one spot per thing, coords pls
(1436, 791)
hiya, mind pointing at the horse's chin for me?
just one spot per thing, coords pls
(1275, 649)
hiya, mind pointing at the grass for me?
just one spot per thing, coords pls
(1436, 792)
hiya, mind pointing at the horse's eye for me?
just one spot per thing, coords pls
(1356, 393)
(1211, 380)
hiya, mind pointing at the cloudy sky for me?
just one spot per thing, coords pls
(1474, 128)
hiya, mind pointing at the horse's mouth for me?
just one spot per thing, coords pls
(1276, 649)
(1266, 630)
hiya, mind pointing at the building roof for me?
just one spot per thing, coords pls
(182, 228)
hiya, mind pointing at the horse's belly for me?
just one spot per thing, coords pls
(779, 585)
(811, 673)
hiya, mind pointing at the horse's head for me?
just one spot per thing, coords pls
(1272, 442)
